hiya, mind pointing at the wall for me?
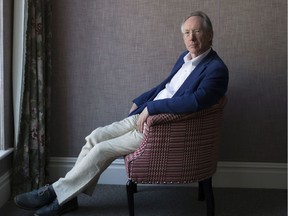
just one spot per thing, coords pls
(107, 52)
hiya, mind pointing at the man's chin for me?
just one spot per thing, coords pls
(194, 53)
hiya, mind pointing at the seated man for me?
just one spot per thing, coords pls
(197, 81)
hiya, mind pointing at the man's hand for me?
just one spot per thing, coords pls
(142, 120)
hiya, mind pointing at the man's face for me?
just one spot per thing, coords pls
(196, 38)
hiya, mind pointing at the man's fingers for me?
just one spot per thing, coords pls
(142, 120)
(140, 125)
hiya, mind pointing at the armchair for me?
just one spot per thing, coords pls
(177, 149)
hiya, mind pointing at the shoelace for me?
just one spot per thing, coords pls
(43, 190)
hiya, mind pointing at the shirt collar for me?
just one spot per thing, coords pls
(195, 61)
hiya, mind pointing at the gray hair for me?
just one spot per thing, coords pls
(206, 21)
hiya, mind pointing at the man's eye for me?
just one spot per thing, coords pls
(187, 34)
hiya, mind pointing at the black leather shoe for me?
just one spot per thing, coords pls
(35, 199)
(54, 209)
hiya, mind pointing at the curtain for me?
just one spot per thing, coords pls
(30, 150)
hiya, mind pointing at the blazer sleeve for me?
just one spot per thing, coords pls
(143, 98)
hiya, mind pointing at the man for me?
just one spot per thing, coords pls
(197, 81)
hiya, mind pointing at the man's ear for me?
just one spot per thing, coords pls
(211, 37)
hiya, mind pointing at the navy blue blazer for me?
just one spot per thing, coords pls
(202, 89)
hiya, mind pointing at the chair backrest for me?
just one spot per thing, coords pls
(178, 148)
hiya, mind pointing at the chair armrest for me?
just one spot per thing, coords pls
(165, 118)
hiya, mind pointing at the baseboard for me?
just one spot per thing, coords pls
(251, 175)
(5, 188)
(229, 174)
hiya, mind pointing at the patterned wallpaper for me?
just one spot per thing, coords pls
(108, 52)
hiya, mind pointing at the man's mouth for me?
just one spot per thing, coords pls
(193, 45)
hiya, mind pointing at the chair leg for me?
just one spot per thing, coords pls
(201, 195)
(131, 188)
(206, 192)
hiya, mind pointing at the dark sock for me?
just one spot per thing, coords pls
(51, 190)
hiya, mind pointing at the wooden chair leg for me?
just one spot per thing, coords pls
(201, 195)
(206, 193)
(131, 188)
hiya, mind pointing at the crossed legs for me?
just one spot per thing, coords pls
(103, 146)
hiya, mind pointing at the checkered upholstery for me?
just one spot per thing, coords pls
(177, 148)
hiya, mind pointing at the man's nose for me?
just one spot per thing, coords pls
(192, 36)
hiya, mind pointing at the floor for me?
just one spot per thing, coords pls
(110, 200)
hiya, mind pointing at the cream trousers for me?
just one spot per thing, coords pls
(103, 146)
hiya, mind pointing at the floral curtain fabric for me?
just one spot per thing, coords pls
(29, 167)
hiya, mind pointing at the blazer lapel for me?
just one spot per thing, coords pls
(193, 78)
(174, 70)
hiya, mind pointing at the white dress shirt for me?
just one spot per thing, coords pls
(178, 79)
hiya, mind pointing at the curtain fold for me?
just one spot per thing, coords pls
(30, 151)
